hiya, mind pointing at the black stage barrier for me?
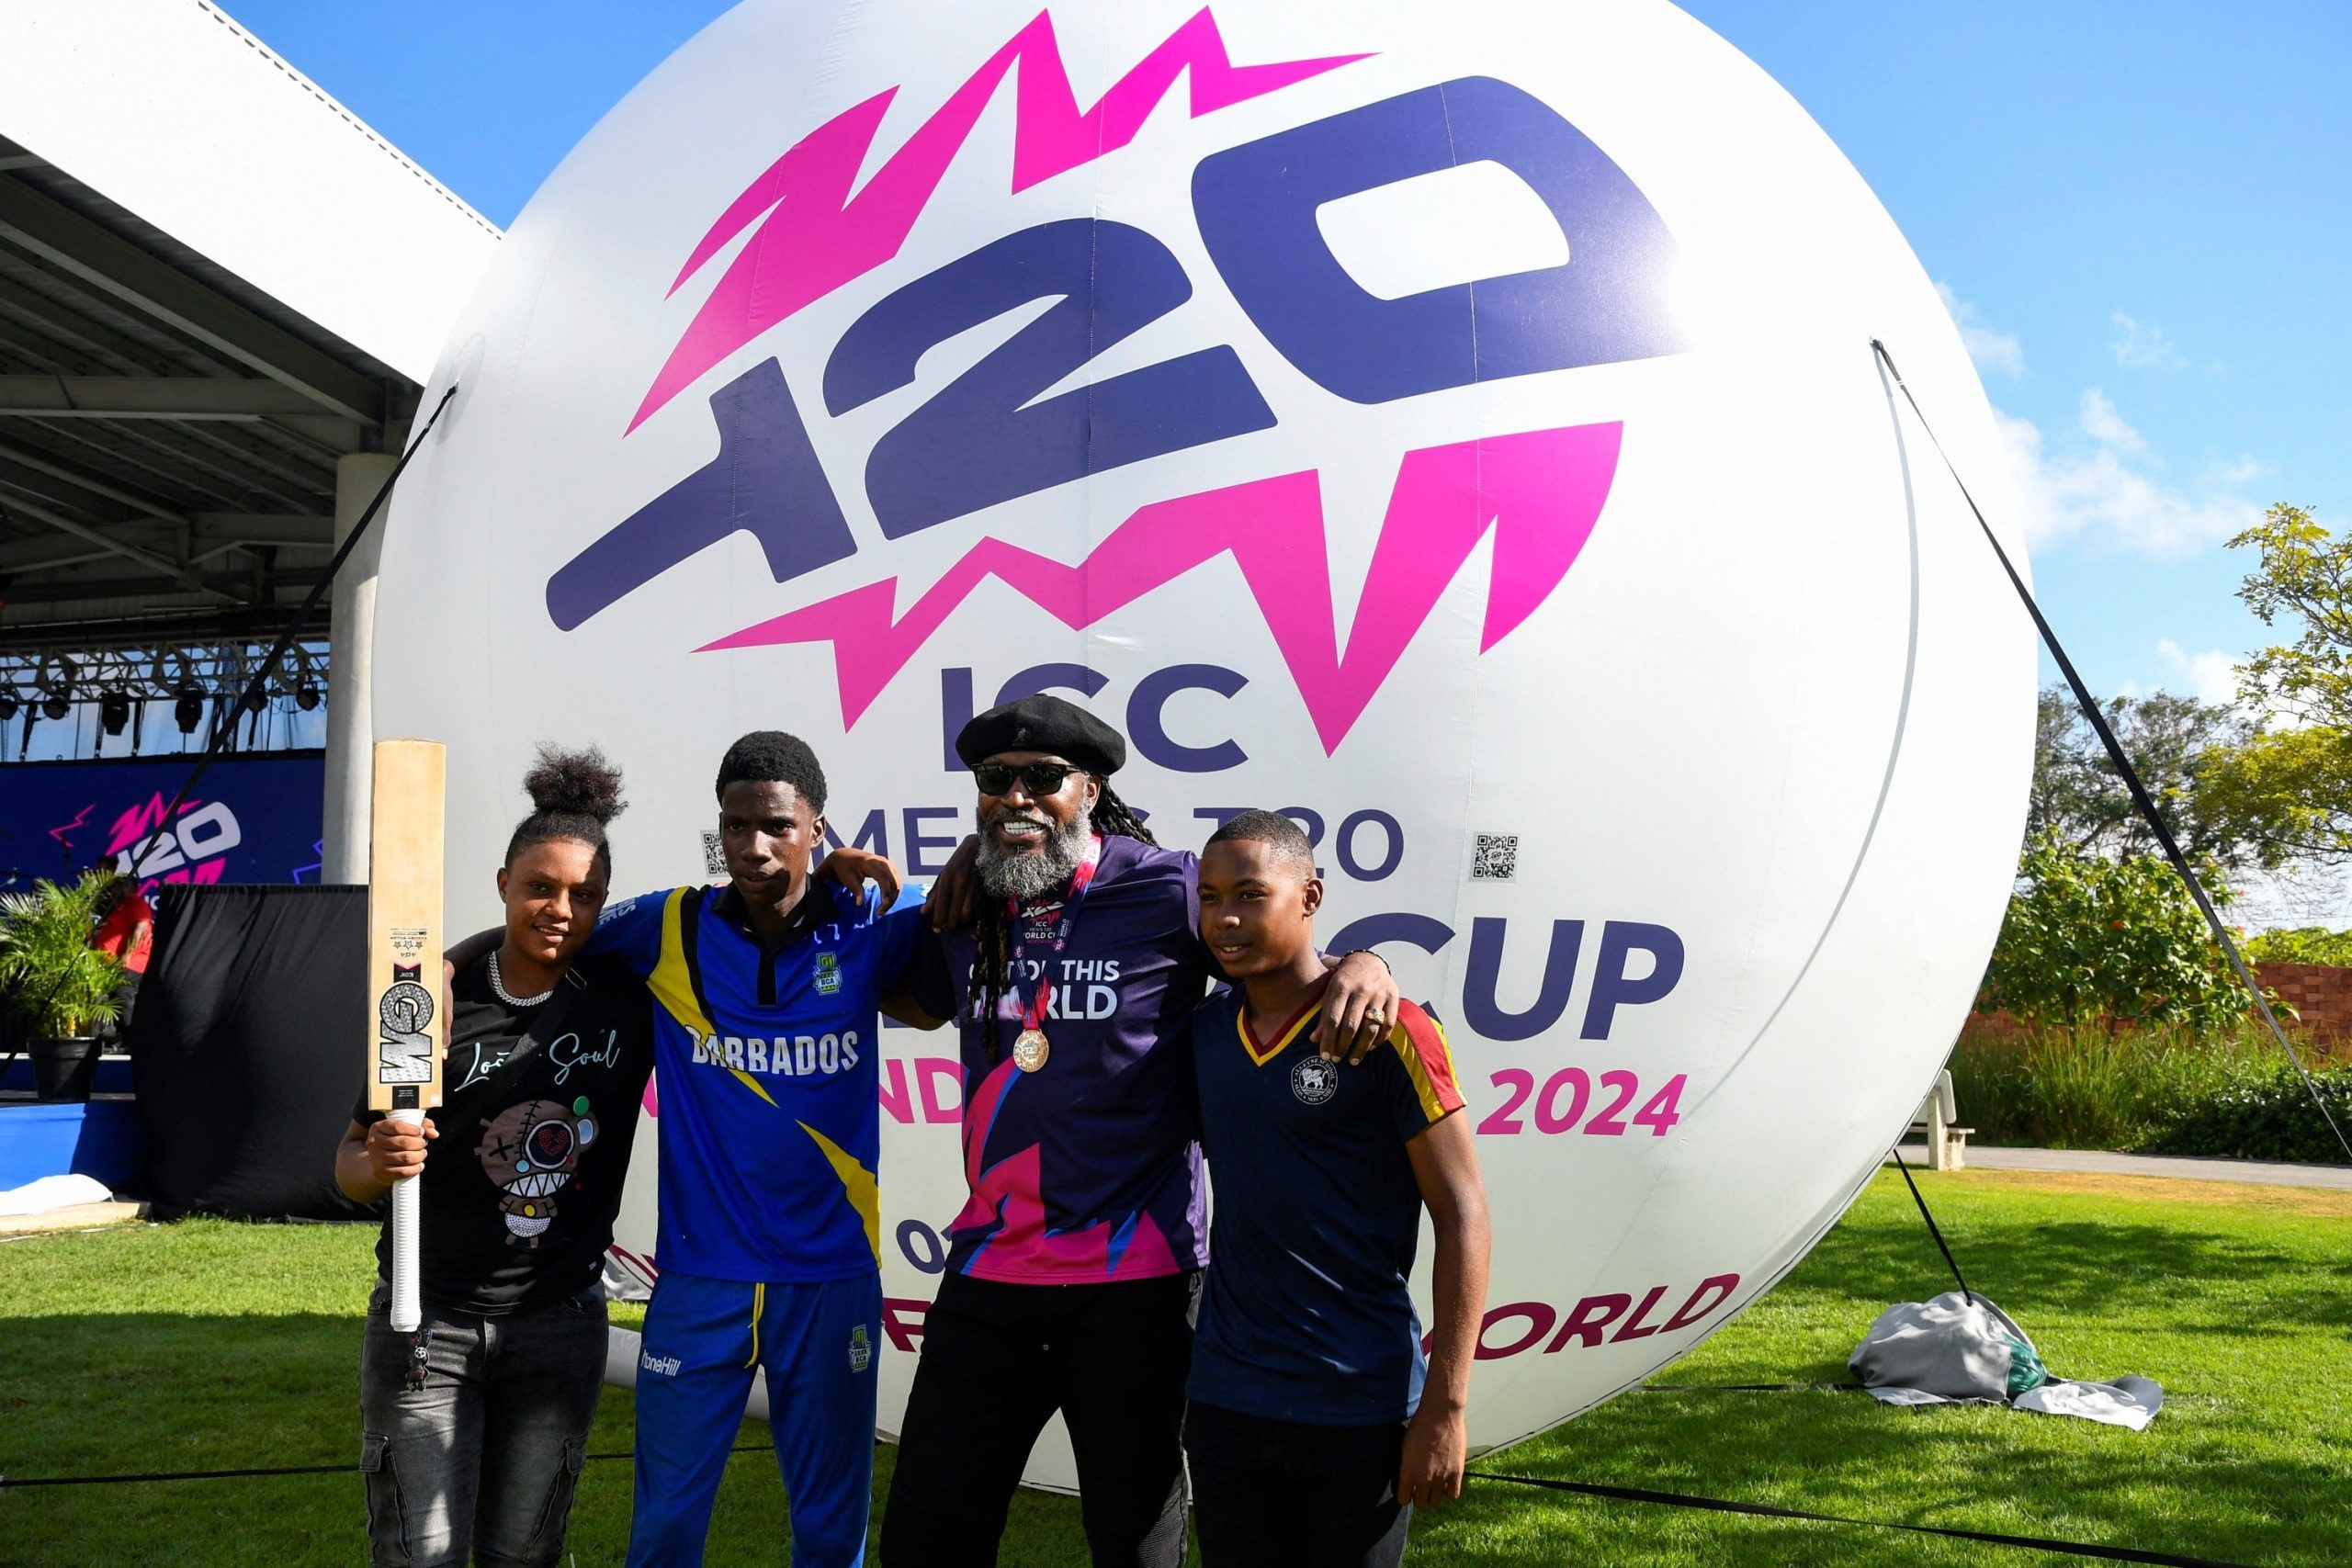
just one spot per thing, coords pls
(247, 1049)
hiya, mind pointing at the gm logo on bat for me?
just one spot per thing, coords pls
(404, 1017)
(990, 435)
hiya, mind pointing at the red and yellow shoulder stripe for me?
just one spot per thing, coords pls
(1419, 1041)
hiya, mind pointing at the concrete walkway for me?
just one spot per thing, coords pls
(89, 1216)
(2337, 1178)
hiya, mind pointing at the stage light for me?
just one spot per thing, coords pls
(306, 696)
(58, 700)
(189, 709)
(8, 706)
(114, 711)
(256, 702)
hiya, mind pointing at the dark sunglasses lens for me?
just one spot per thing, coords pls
(1038, 778)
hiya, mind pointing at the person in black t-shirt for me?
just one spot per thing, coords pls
(473, 1430)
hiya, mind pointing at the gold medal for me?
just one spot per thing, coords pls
(1029, 1051)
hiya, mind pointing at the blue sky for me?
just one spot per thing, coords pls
(2141, 211)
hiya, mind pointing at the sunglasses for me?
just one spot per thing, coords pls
(1040, 779)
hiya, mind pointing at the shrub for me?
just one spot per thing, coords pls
(63, 984)
(2086, 1086)
(2304, 945)
(2266, 1117)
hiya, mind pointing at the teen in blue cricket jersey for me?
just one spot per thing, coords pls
(765, 992)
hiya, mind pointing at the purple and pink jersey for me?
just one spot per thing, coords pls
(1090, 1169)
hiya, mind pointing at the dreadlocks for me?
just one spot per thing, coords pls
(1115, 817)
(991, 924)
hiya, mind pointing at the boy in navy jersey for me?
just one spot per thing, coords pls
(1314, 1422)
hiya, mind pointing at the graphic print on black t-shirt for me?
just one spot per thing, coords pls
(530, 1151)
(537, 1124)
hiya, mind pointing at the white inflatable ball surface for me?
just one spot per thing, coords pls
(1454, 425)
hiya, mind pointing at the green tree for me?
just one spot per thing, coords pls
(2090, 937)
(2174, 743)
(2294, 781)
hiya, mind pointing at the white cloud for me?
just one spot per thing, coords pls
(2103, 424)
(2107, 487)
(1990, 350)
(2142, 346)
(2209, 677)
(2115, 493)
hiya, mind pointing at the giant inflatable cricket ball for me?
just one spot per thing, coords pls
(1454, 425)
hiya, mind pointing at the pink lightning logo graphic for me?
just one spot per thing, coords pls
(1010, 1194)
(63, 829)
(1540, 491)
(818, 236)
(1537, 494)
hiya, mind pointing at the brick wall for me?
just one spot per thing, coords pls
(2321, 995)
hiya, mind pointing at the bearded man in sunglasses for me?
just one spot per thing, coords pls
(1073, 1270)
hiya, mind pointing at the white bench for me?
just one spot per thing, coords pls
(1947, 1144)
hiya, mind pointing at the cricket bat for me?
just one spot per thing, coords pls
(409, 1036)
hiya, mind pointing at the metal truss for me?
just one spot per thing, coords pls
(209, 671)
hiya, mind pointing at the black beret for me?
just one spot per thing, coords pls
(1043, 724)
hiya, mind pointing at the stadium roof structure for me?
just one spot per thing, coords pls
(215, 282)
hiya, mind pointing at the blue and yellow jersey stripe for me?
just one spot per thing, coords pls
(770, 1106)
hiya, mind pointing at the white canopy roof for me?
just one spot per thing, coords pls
(215, 282)
(170, 109)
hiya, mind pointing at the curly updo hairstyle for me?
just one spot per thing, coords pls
(573, 795)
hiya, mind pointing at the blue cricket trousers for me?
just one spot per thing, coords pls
(819, 1344)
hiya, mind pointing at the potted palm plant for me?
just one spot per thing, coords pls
(64, 986)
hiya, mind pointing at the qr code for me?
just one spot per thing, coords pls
(1495, 857)
(714, 854)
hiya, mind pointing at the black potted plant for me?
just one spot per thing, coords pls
(64, 987)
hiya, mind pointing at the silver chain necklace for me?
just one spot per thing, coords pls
(498, 988)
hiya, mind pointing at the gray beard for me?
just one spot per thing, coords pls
(1016, 874)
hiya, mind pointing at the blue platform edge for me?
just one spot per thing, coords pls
(114, 1075)
(101, 1139)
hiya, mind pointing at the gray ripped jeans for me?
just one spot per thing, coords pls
(484, 1457)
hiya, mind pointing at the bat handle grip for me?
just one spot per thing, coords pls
(408, 1310)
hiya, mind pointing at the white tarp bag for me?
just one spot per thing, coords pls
(47, 1193)
(1963, 1349)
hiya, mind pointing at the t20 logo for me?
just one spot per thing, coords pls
(990, 437)
(190, 849)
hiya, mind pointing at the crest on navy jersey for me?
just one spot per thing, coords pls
(1314, 1080)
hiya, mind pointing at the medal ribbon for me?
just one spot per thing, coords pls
(1037, 995)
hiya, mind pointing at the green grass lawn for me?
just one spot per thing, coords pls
(209, 1346)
